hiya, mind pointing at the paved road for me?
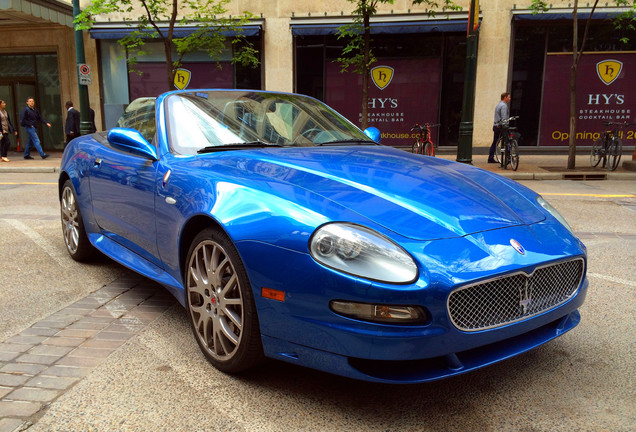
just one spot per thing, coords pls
(137, 367)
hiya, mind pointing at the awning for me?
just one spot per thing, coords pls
(29, 12)
(425, 26)
(565, 14)
(120, 32)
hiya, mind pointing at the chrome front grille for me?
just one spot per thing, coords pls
(514, 297)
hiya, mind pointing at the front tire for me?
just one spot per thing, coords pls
(416, 148)
(73, 231)
(498, 151)
(220, 303)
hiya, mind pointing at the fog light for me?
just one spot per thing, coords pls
(379, 312)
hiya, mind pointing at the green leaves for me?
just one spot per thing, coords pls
(538, 6)
(158, 20)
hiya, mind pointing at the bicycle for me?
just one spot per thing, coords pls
(423, 144)
(608, 147)
(507, 150)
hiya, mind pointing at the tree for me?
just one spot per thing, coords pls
(577, 51)
(357, 53)
(147, 17)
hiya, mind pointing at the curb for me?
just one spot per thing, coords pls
(29, 169)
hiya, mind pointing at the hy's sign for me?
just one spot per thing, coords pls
(604, 93)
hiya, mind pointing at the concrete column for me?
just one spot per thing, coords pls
(492, 68)
(278, 57)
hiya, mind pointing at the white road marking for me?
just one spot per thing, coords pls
(51, 250)
(613, 279)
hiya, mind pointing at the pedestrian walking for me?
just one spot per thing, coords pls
(92, 116)
(501, 113)
(30, 118)
(6, 128)
(72, 125)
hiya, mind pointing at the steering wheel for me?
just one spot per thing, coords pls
(309, 134)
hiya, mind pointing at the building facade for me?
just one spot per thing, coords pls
(418, 76)
(37, 59)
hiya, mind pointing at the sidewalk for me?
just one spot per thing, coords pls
(531, 166)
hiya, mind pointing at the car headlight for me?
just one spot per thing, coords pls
(362, 252)
(546, 205)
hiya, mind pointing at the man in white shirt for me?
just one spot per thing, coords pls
(502, 112)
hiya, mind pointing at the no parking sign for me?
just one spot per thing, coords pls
(84, 75)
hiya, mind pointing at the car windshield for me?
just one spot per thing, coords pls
(206, 121)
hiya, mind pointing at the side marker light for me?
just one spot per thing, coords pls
(273, 294)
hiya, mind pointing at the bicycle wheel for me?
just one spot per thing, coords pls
(503, 155)
(614, 153)
(499, 148)
(514, 154)
(416, 148)
(597, 152)
(428, 149)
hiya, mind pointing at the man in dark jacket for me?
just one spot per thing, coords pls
(29, 119)
(72, 126)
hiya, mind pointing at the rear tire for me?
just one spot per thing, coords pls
(595, 154)
(428, 149)
(514, 154)
(614, 153)
(503, 155)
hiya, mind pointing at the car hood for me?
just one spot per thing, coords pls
(417, 197)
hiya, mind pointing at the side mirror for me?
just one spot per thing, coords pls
(131, 140)
(373, 133)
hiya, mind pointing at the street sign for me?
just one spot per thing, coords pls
(84, 75)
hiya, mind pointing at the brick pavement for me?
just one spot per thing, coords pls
(45, 360)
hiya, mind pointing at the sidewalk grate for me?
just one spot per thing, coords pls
(585, 176)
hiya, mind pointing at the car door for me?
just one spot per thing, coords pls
(123, 189)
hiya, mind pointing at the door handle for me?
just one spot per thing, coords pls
(98, 163)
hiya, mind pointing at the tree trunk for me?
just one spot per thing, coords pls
(169, 72)
(167, 45)
(365, 75)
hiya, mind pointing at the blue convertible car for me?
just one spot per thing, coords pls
(287, 233)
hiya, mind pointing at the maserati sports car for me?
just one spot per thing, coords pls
(286, 232)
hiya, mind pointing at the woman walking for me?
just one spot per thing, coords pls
(6, 128)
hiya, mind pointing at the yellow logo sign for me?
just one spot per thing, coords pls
(181, 78)
(609, 70)
(382, 76)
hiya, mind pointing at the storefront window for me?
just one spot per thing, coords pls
(49, 102)
(148, 77)
(527, 79)
(533, 41)
(13, 66)
(424, 84)
(37, 76)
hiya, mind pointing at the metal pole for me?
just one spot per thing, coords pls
(465, 142)
(84, 107)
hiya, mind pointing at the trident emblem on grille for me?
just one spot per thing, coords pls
(525, 299)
